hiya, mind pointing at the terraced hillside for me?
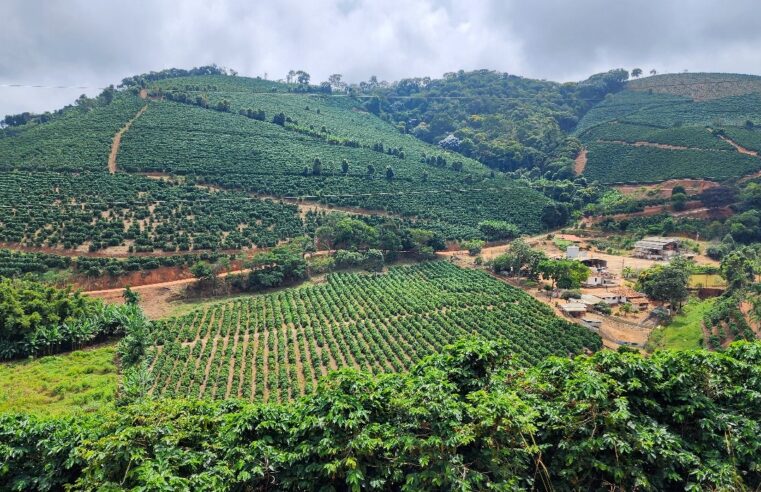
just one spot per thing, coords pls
(675, 126)
(276, 346)
(237, 134)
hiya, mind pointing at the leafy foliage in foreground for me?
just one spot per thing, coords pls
(469, 418)
(276, 346)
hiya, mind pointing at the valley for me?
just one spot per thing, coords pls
(278, 276)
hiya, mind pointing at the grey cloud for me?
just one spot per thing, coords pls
(97, 43)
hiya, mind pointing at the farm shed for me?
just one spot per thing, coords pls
(575, 309)
(657, 248)
(595, 263)
(589, 300)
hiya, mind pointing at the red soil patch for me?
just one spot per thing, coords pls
(739, 147)
(581, 162)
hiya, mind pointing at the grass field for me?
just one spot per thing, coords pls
(685, 331)
(707, 280)
(77, 382)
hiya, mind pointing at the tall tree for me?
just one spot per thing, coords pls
(739, 268)
(667, 283)
(302, 77)
(566, 274)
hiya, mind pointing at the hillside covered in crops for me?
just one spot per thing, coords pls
(217, 153)
(703, 126)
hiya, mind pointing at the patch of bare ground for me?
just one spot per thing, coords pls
(692, 209)
(580, 163)
(653, 144)
(665, 188)
(739, 147)
(755, 325)
(265, 366)
(231, 369)
(755, 175)
(215, 343)
(118, 140)
(291, 331)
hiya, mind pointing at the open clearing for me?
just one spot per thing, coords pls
(685, 331)
(75, 382)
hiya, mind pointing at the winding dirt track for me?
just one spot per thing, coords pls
(118, 140)
(172, 283)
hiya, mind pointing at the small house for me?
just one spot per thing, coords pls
(611, 297)
(599, 281)
(636, 299)
(657, 248)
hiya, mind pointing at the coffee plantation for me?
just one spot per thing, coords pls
(275, 347)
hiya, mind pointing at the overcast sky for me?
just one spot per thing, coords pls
(94, 42)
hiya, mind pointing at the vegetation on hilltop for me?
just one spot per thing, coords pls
(687, 115)
(235, 152)
(697, 85)
(470, 417)
(504, 121)
(77, 140)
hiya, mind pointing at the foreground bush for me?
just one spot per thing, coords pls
(469, 418)
(37, 319)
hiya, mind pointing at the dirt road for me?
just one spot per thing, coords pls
(118, 140)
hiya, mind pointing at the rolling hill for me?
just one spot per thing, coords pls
(226, 148)
(675, 126)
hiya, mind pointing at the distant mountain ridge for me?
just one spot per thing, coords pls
(690, 125)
